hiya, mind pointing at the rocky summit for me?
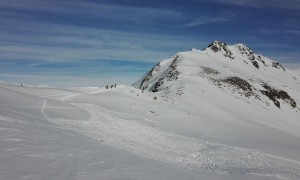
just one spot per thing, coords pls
(235, 69)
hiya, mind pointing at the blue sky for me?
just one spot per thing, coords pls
(98, 42)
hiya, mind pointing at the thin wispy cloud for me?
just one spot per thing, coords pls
(27, 37)
(95, 10)
(288, 57)
(205, 20)
(295, 32)
(286, 4)
(221, 17)
(60, 43)
(280, 31)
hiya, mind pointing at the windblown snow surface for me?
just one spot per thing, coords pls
(221, 113)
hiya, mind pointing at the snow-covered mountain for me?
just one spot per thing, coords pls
(221, 113)
(232, 68)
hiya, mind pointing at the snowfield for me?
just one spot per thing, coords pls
(221, 113)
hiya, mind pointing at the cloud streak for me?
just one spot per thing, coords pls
(205, 20)
(280, 31)
(221, 17)
(287, 4)
(96, 10)
(24, 36)
(51, 42)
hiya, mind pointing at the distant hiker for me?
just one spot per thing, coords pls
(115, 85)
(111, 86)
(106, 86)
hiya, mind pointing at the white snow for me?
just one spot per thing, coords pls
(193, 129)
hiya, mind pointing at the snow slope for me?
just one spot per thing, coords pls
(34, 148)
(221, 113)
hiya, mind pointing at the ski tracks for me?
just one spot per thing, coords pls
(43, 109)
(124, 131)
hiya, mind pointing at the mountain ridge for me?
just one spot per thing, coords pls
(234, 67)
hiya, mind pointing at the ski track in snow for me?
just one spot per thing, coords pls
(123, 131)
(43, 109)
(70, 96)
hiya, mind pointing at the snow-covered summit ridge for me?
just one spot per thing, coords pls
(257, 60)
(235, 69)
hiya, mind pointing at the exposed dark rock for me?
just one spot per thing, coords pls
(149, 75)
(238, 83)
(169, 75)
(155, 87)
(253, 57)
(255, 64)
(174, 63)
(173, 73)
(278, 65)
(209, 71)
(275, 94)
(245, 50)
(218, 46)
(261, 60)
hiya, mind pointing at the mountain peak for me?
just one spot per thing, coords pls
(217, 43)
(233, 51)
(229, 68)
(219, 46)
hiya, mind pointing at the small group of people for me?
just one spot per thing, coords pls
(111, 86)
